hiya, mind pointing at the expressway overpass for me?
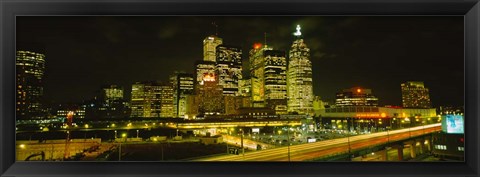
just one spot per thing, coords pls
(311, 151)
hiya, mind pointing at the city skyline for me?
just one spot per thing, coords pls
(127, 44)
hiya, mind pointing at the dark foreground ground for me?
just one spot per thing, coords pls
(167, 151)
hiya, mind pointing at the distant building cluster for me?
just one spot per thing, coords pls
(280, 82)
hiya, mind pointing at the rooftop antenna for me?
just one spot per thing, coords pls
(265, 38)
(216, 28)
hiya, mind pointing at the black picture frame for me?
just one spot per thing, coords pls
(470, 9)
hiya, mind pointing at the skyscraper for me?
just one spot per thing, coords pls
(229, 68)
(356, 96)
(152, 99)
(203, 68)
(245, 87)
(210, 44)
(257, 74)
(207, 65)
(183, 85)
(30, 68)
(415, 95)
(276, 81)
(268, 76)
(299, 76)
(210, 97)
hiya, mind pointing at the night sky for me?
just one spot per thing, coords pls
(85, 53)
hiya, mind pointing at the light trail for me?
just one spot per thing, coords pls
(320, 149)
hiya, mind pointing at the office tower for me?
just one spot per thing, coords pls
(210, 44)
(183, 85)
(276, 81)
(192, 104)
(415, 95)
(245, 95)
(356, 96)
(210, 97)
(203, 68)
(108, 103)
(299, 76)
(245, 87)
(268, 78)
(257, 74)
(152, 99)
(112, 92)
(207, 65)
(30, 68)
(229, 68)
(79, 111)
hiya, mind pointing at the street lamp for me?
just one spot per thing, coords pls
(124, 135)
(288, 140)
(348, 140)
(137, 133)
(21, 146)
(241, 144)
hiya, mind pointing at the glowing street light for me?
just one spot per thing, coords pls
(124, 135)
(22, 146)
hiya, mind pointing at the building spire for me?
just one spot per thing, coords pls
(216, 28)
(265, 38)
(298, 33)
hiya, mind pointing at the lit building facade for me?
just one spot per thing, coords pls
(268, 78)
(30, 68)
(109, 103)
(192, 107)
(276, 81)
(245, 87)
(183, 85)
(229, 68)
(257, 74)
(372, 118)
(210, 44)
(112, 93)
(152, 99)
(210, 97)
(203, 68)
(356, 96)
(79, 111)
(415, 95)
(299, 77)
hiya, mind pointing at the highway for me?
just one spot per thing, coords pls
(325, 148)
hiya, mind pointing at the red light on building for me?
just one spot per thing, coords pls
(461, 140)
(359, 90)
(257, 45)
